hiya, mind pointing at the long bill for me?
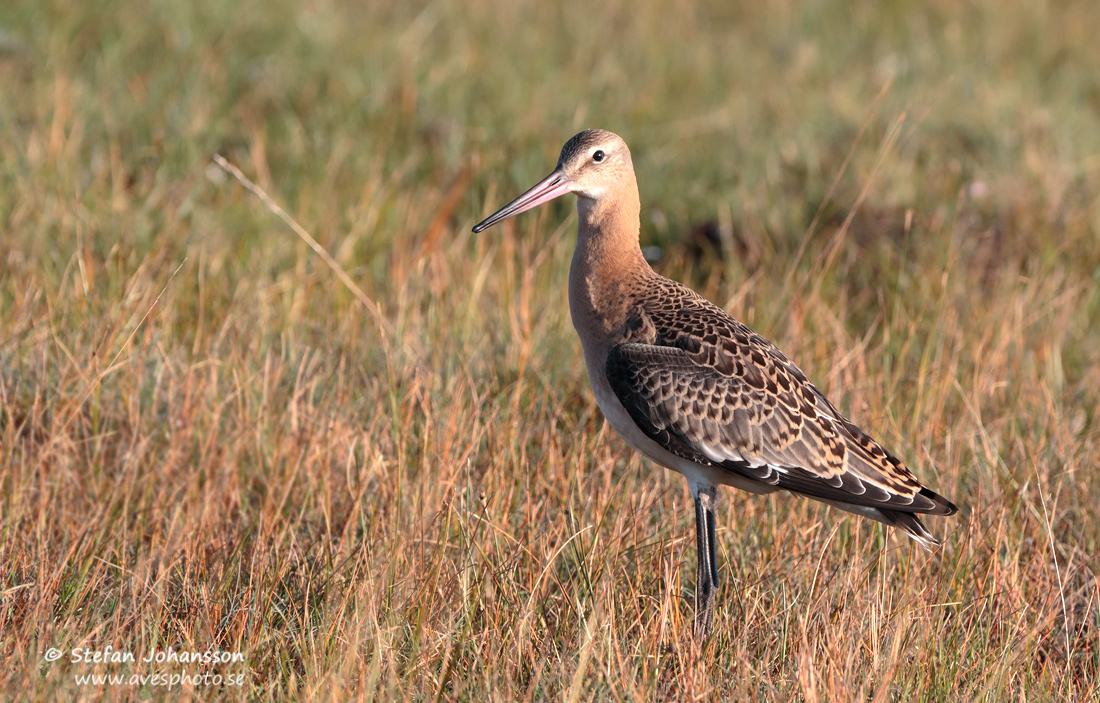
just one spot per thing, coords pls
(557, 183)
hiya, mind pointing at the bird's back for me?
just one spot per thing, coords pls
(708, 389)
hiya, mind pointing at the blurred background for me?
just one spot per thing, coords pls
(397, 483)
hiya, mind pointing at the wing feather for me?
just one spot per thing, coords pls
(709, 390)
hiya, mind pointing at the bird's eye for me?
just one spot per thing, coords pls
(598, 155)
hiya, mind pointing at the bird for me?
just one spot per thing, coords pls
(696, 391)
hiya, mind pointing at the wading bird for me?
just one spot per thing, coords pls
(693, 389)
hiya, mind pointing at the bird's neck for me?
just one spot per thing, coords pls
(607, 233)
(608, 271)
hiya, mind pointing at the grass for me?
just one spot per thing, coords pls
(208, 441)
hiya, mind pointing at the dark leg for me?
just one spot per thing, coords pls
(707, 587)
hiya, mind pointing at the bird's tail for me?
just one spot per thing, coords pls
(907, 522)
(911, 525)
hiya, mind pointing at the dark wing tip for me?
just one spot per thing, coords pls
(942, 505)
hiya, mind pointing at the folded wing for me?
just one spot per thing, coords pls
(723, 396)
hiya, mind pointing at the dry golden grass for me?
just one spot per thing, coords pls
(208, 441)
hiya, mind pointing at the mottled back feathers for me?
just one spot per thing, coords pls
(710, 390)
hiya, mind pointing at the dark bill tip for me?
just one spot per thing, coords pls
(554, 185)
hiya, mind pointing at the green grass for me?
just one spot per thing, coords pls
(208, 441)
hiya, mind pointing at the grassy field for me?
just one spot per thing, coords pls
(394, 483)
